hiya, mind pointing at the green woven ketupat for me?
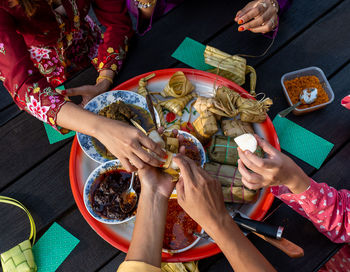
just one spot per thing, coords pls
(224, 150)
(19, 258)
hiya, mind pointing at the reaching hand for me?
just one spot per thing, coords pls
(199, 194)
(128, 144)
(276, 169)
(154, 180)
(88, 91)
(258, 16)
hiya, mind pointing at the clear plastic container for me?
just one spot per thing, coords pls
(310, 71)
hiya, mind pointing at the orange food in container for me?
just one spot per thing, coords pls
(312, 77)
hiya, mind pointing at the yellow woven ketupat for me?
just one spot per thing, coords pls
(234, 67)
(180, 267)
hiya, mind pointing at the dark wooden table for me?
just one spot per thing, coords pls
(312, 33)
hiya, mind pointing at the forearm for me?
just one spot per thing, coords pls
(239, 251)
(75, 118)
(147, 238)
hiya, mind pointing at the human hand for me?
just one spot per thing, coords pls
(154, 180)
(276, 169)
(127, 143)
(199, 194)
(258, 16)
(88, 91)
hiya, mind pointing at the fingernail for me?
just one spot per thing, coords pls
(64, 92)
(161, 165)
(166, 156)
(240, 22)
(241, 28)
(247, 152)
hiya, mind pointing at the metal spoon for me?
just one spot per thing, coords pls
(307, 96)
(129, 197)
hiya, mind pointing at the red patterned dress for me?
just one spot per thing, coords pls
(40, 52)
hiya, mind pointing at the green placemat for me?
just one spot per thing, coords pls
(53, 135)
(301, 142)
(53, 248)
(191, 53)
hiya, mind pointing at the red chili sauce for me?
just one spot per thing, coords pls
(179, 227)
(191, 150)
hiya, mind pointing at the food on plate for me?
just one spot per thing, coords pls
(179, 227)
(253, 111)
(123, 112)
(106, 196)
(178, 86)
(246, 141)
(295, 86)
(143, 91)
(171, 142)
(176, 105)
(231, 183)
(205, 125)
(235, 127)
(224, 150)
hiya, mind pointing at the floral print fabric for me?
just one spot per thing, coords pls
(40, 53)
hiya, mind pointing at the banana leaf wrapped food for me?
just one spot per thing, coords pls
(224, 102)
(178, 86)
(231, 183)
(253, 111)
(223, 150)
(176, 105)
(205, 125)
(234, 67)
(235, 127)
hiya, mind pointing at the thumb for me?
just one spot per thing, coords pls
(269, 149)
(82, 90)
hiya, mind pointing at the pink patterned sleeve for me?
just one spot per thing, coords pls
(327, 208)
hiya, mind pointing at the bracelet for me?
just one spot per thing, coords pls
(148, 4)
(104, 77)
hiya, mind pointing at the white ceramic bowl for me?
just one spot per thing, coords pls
(90, 186)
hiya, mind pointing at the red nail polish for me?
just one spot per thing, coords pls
(241, 28)
(166, 156)
(240, 21)
(161, 165)
(64, 92)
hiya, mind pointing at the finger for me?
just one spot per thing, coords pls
(243, 11)
(82, 90)
(175, 132)
(269, 26)
(260, 163)
(149, 144)
(181, 138)
(161, 130)
(249, 176)
(147, 158)
(127, 165)
(185, 168)
(266, 146)
(252, 13)
(180, 189)
(243, 155)
(251, 186)
(259, 20)
(182, 150)
(136, 161)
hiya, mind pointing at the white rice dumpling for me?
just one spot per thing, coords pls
(247, 142)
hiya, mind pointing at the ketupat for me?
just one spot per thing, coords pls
(236, 127)
(176, 105)
(178, 86)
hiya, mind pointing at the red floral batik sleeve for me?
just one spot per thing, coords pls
(28, 88)
(114, 16)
